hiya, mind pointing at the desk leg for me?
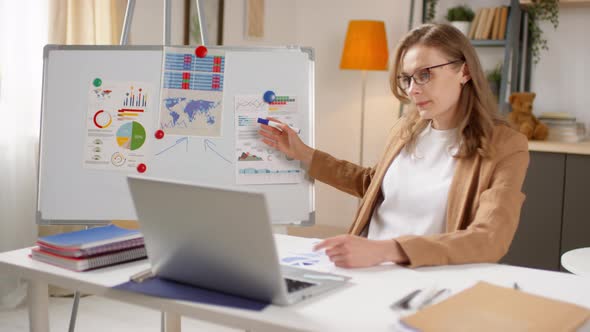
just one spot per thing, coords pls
(170, 322)
(38, 299)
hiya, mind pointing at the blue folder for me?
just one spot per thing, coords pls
(89, 237)
(173, 290)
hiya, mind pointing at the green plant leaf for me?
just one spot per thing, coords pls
(460, 13)
(541, 10)
(430, 10)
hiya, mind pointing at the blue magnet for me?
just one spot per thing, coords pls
(269, 96)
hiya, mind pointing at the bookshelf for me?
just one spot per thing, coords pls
(512, 60)
(488, 43)
(563, 3)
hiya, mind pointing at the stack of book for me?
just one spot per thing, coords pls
(562, 127)
(91, 248)
(489, 23)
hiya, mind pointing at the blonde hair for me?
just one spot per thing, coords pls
(476, 104)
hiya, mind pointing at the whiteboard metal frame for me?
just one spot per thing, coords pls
(53, 47)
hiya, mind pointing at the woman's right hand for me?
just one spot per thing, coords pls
(287, 141)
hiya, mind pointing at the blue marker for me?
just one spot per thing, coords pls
(277, 125)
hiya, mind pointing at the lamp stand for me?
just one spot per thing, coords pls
(363, 91)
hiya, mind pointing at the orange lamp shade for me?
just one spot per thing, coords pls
(365, 47)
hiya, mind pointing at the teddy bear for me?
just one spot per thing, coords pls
(522, 118)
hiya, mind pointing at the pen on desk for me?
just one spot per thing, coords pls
(422, 297)
(430, 299)
(404, 301)
(277, 125)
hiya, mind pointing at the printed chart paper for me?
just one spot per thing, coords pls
(256, 162)
(192, 92)
(119, 118)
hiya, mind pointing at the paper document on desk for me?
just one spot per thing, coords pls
(299, 252)
(486, 307)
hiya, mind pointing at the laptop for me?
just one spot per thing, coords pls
(220, 239)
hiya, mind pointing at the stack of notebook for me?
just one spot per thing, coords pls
(563, 127)
(91, 248)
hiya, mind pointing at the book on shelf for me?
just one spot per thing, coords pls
(561, 116)
(98, 238)
(471, 34)
(88, 263)
(489, 24)
(495, 34)
(486, 34)
(482, 23)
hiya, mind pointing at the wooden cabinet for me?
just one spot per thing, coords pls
(555, 216)
(536, 242)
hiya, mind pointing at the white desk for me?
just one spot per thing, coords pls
(361, 306)
(577, 261)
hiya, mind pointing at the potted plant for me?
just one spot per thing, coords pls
(460, 17)
(494, 77)
(430, 11)
(541, 10)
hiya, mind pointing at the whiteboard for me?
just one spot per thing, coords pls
(70, 191)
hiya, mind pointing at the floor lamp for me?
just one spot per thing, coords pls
(365, 49)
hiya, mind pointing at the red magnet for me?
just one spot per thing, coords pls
(141, 168)
(201, 52)
(159, 134)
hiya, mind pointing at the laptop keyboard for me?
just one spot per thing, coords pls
(295, 285)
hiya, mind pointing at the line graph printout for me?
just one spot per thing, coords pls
(192, 92)
(117, 118)
(256, 162)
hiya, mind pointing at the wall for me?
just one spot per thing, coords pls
(148, 21)
(560, 79)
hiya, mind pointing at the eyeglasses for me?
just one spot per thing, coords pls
(420, 77)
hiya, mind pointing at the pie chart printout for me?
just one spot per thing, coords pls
(131, 135)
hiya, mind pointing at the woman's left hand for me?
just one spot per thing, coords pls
(356, 251)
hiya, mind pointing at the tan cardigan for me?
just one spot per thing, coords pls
(483, 206)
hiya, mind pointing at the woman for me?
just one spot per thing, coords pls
(447, 189)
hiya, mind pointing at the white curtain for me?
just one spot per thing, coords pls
(25, 27)
(23, 33)
(86, 22)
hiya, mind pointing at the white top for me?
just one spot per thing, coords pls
(415, 188)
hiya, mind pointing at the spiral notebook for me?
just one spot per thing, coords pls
(91, 241)
(88, 263)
